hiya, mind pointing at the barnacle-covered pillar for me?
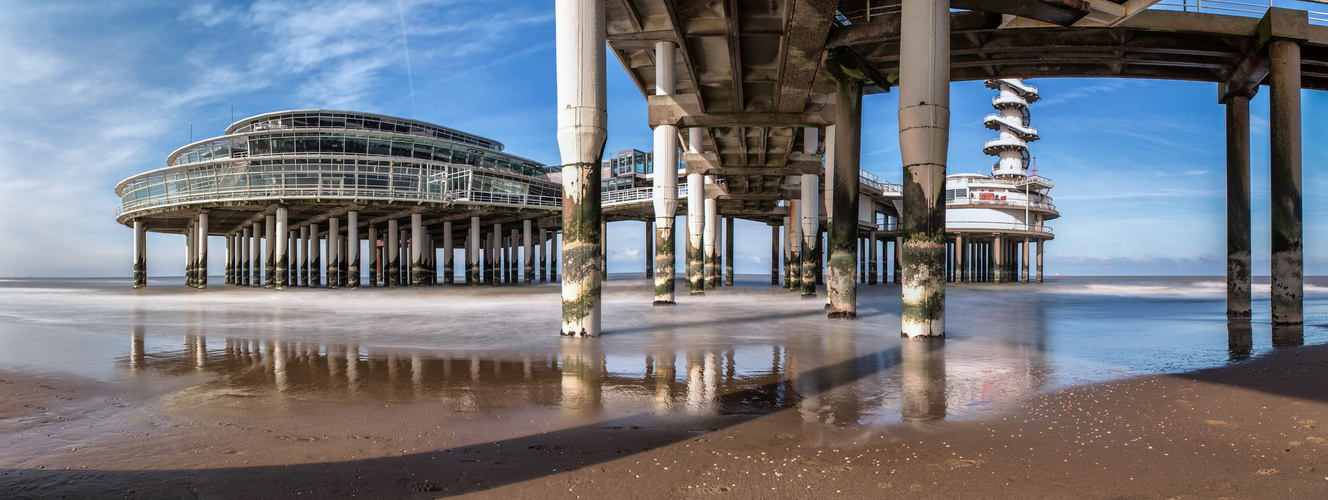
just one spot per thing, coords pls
(709, 238)
(1288, 274)
(843, 238)
(582, 131)
(417, 246)
(140, 254)
(810, 210)
(270, 252)
(333, 252)
(924, 134)
(352, 249)
(283, 248)
(474, 254)
(393, 261)
(695, 218)
(200, 251)
(449, 268)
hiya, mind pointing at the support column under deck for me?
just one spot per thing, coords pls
(352, 249)
(1039, 260)
(373, 255)
(449, 267)
(1288, 276)
(417, 250)
(270, 252)
(140, 254)
(774, 255)
(728, 251)
(839, 280)
(393, 251)
(695, 219)
(810, 212)
(256, 256)
(473, 253)
(1238, 207)
(709, 238)
(201, 250)
(283, 259)
(665, 180)
(333, 252)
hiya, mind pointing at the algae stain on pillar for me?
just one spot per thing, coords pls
(582, 132)
(924, 122)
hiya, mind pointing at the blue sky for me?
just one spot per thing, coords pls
(94, 92)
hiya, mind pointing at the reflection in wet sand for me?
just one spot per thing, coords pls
(1240, 339)
(923, 366)
(1288, 336)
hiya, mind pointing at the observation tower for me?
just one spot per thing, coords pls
(994, 221)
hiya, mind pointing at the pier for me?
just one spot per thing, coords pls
(761, 109)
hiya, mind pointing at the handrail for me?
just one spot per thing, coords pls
(1011, 226)
(1229, 7)
(1006, 203)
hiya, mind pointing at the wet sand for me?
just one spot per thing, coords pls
(807, 411)
(1250, 430)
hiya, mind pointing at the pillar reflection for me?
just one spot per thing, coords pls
(1288, 335)
(922, 374)
(1239, 340)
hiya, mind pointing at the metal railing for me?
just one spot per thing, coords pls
(1249, 9)
(640, 194)
(999, 226)
(1005, 203)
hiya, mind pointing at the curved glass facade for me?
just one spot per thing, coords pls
(258, 162)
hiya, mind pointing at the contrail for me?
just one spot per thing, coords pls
(410, 78)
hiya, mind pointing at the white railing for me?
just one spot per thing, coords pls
(1247, 8)
(1006, 226)
(240, 184)
(640, 194)
(1005, 203)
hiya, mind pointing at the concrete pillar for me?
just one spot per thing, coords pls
(553, 256)
(293, 250)
(728, 251)
(899, 260)
(1238, 207)
(665, 179)
(924, 122)
(839, 282)
(795, 245)
(333, 252)
(315, 257)
(270, 252)
(513, 276)
(650, 250)
(543, 248)
(709, 238)
(582, 131)
(786, 227)
(527, 247)
(281, 257)
(373, 255)
(140, 254)
(304, 257)
(810, 213)
(862, 260)
(449, 267)
(229, 248)
(603, 249)
(1288, 277)
(695, 218)
(961, 260)
(352, 249)
(1023, 276)
(496, 255)
(417, 249)
(473, 253)
(1039, 260)
(774, 255)
(393, 264)
(257, 253)
(871, 257)
(189, 234)
(998, 260)
(404, 256)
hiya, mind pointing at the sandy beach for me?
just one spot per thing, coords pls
(854, 415)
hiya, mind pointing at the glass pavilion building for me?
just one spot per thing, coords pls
(278, 184)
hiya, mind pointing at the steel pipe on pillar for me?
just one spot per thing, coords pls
(1288, 278)
(810, 213)
(924, 122)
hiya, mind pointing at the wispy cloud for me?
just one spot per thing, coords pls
(1082, 92)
